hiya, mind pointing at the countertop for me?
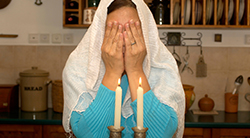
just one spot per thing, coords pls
(49, 117)
(241, 119)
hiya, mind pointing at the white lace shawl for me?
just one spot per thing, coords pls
(85, 69)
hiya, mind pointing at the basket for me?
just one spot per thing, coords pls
(57, 96)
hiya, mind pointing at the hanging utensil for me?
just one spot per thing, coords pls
(201, 66)
(186, 66)
(237, 83)
(38, 2)
(177, 57)
(4, 3)
(247, 94)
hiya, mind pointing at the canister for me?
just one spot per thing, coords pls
(34, 89)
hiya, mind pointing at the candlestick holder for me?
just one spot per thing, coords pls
(139, 132)
(115, 132)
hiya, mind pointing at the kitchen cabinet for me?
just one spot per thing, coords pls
(31, 131)
(192, 14)
(216, 133)
(20, 131)
(231, 132)
(54, 131)
(197, 133)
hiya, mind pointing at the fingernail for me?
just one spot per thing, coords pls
(120, 26)
(127, 25)
(109, 24)
(137, 23)
(131, 21)
(115, 22)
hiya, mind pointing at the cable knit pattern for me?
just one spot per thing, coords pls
(161, 119)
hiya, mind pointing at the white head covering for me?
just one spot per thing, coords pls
(85, 69)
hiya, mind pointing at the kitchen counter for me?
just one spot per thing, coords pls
(49, 117)
(221, 120)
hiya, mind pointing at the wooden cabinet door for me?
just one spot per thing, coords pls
(231, 133)
(54, 131)
(197, 133)
(20, 131)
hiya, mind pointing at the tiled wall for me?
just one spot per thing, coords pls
(223, 66)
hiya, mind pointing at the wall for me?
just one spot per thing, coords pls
(225, 60)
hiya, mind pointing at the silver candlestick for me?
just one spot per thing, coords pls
(139, 132)
(115, 132)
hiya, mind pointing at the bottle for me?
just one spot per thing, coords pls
(152, 6)
(93, 3)
(73, 5)
(159, 13)
(72, 19)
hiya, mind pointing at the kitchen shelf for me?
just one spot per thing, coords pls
(223, 23)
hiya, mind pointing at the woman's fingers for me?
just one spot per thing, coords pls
(107, 32)
(113, 32)
(117, 45)
(134, 31)
(139, 30)
(129, 33)
(128, 45)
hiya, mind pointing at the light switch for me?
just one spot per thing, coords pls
(68, 38)
(33, 38)
(247, 39)
(44, 38)
(56, 38)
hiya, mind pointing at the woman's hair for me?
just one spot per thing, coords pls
(116, 4)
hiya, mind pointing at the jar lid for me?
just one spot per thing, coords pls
(34, 72)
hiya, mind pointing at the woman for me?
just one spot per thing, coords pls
(123, 41)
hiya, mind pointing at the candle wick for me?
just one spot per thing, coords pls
(139, 85)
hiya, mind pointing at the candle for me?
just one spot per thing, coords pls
(118, 102)
(140, 105)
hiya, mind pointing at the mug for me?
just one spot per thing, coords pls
(231, 103)
(246, 95)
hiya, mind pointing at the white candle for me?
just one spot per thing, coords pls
(140, 105)
(118, 102)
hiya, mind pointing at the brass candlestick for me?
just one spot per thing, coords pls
(139, 132)
(115, 132)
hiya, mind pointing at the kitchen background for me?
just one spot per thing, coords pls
(225, 60)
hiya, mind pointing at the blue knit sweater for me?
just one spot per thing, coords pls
(160, 119)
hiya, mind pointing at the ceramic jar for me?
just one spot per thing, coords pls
(206, 104)
(189, 95)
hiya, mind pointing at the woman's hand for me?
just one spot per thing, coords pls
(112, 54)
(112, 49)
(134, 56)
(135, 47)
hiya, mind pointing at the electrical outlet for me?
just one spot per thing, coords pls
(247, 39)
(33, 38)
(68, 38)
(56, 38)
(44, 38)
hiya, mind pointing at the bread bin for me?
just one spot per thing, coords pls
(33, 87)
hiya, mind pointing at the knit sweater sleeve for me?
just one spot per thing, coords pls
(161, 119)
(99, 113)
